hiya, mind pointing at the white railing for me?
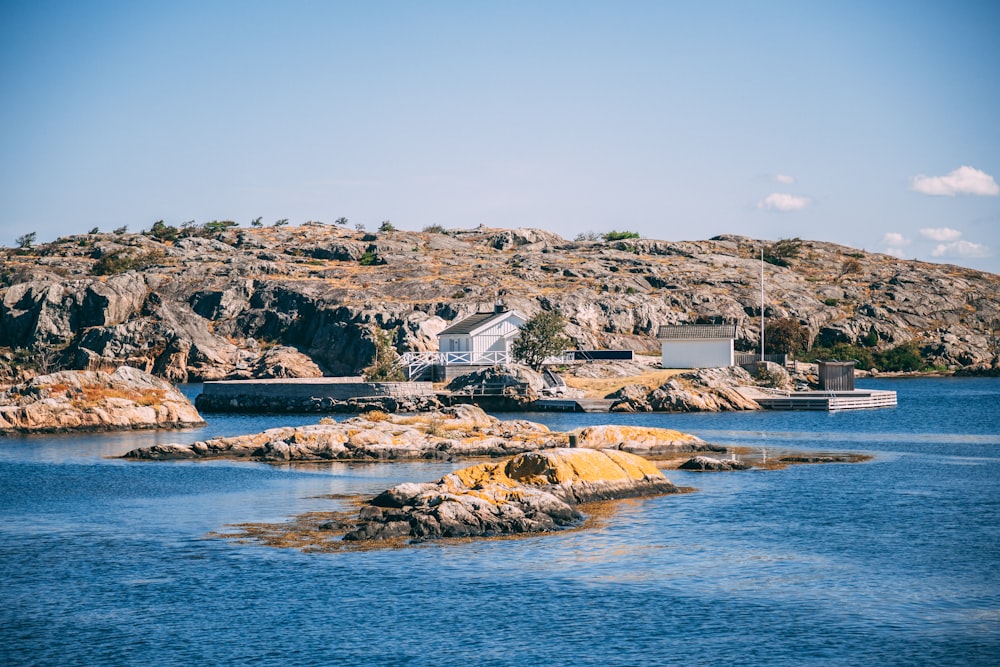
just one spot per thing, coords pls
(416, 363)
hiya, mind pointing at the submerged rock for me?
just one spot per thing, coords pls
(532, 492)
(708, 464)
(95, 401)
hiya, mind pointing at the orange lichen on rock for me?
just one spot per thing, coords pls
(642, 440)
(559, 466)
(531, 492)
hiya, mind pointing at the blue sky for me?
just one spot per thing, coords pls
(872, 124)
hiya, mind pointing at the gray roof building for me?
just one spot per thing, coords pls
(696, 331)
(471, 323)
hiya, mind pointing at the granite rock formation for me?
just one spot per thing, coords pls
(94, 401)
(210, 308)
(705, 390)
(532, 492)
(459, 431)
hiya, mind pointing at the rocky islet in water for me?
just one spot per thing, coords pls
(70, 401)
(459, 431)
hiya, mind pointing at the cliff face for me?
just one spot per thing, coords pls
(209, 308)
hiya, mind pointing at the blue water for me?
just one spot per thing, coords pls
(891, 562)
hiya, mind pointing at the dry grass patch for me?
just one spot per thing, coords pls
(601, 387)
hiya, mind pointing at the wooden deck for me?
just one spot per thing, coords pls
(831, 401)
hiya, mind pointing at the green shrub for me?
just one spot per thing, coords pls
(216, 226)
(830, 302)
(384, 366)
(121, 261)
(25, 241)
(782, 251)
(163, 232)
(785, 336)
(619, 236)
(435, 229)
(370, 259)
(905, 357)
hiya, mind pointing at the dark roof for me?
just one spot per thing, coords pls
(471, 323)
(696, 331)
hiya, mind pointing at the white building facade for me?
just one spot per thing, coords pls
(482, 338)
(697, 345)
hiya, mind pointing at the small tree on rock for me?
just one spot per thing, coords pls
(385, 361)
(782, 251)
(25, 241)
(541, 337)
(785, 336)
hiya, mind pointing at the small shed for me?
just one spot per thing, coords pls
(836, 375)
(697, 345)
(481, 338)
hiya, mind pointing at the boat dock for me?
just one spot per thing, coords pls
(831, 401)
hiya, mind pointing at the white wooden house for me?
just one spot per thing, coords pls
(697, 345)
(482, 338)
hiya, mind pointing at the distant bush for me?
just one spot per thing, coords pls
(587, 236)
(618, 236)
(905, 357)
(785, 336)
(25, 241)
(163, 232)
(848, 266)
(216, 226)
(782, 251)
(386, 226)
(122, 261)
(435, 229)
(384, 366)
(369, 258)
(830, 302)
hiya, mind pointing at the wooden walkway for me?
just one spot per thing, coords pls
(831, 401)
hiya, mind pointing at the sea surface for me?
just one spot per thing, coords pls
(891, 562)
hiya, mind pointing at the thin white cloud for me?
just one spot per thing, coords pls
(895, 244)
(962, 181)
(783, 178)
(941, 233)
(895, 239)
(784, 202)
(961, 249)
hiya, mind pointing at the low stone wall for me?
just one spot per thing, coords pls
(315, 395)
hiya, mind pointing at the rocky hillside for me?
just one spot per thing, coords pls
(297, 301)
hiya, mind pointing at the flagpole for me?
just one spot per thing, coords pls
(762, 302)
